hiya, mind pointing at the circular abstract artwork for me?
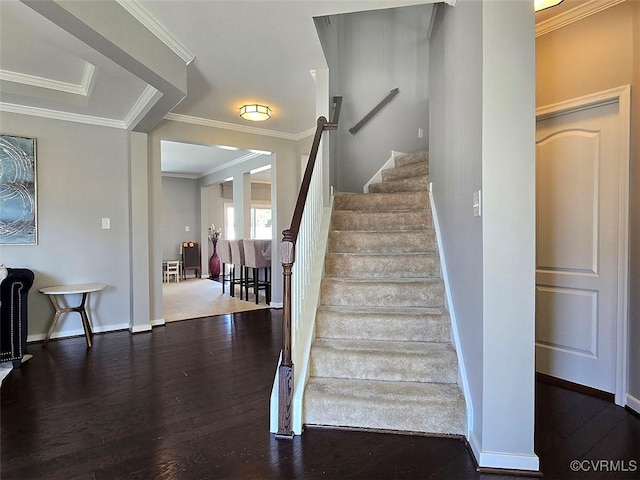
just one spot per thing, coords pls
(17, 190)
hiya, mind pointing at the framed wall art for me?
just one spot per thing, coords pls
(18, 194)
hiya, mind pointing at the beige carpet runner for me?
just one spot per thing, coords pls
(382, 357)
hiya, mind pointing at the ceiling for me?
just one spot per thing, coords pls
(237, 52)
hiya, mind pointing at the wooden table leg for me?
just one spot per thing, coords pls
(60, 310)
(56, 315)
(85, 320)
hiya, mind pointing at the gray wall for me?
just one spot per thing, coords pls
(455, 167)
(369, 54)
(284, 177)
(82, 176)
(180, 209)
(483, 136)
(595, 54)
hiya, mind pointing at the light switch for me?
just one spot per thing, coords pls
(186, 229)
(106, 223)
(420, 132)
(477, 203)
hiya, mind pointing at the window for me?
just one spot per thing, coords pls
(260, 222)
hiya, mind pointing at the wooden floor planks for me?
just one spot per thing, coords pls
(190, 401)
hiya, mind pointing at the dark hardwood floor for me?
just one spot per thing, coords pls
(190, 401)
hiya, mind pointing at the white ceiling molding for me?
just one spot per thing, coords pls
(181, 175)
(575, 14)
(147, 96)
(155, 27)
(236, 161)
(205, 122)
(58, 115)
(81, 88)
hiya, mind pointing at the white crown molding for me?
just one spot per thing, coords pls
(155, 27)
(205, 122)
(58, 115)
(231, 163)
(81, 88)
(147, 96)
(575, 14)
(180, 175)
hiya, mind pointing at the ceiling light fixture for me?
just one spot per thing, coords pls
(255, 112)
(544, 4)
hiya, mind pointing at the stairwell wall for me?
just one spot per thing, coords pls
(369, 54)
(482, 138)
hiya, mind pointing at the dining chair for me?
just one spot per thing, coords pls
(172, 269)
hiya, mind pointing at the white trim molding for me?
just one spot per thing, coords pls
(59, 115)
(140, 328)
(621, 96)
(154, 26)
(157, 323)
(205, 122)
(633, 403)
(37, 337)
(147, 97)
(575, 14)
(462, 369)
(81, 88)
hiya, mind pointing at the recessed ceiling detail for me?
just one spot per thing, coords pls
(81, 88)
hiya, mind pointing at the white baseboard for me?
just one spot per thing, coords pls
(377, 177)
(633, 403)
(276, 305)
(462, 370)
(37, 337)
(140, 328)
(158, 322)
(507, 461)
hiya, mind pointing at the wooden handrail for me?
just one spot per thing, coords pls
(353, 130)
(287, 257)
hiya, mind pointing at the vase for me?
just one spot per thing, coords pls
(214, 262)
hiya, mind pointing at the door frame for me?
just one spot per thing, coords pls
(622, 96)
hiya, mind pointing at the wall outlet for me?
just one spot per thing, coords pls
(106, 223)
(477, 203)
(186, 229)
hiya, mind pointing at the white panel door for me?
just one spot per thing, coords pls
(577, 175)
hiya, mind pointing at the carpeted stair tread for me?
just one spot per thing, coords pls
(384, 360)
(384, 323)
(406, 171)
(412, 184)
(353, 241)
(411, 158)
(437, 408)
(382, 356)
(405, 292)
(381, 201)
(372, 220)
(382, 265)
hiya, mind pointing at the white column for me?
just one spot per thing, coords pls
(242, 205)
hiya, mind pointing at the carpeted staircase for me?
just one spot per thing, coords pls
(382, 357)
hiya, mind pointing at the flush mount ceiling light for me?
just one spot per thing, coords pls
(255, 112)
(543, 4)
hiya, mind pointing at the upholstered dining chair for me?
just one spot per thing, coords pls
(224, 252)
(237, 260)
(257, 261)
